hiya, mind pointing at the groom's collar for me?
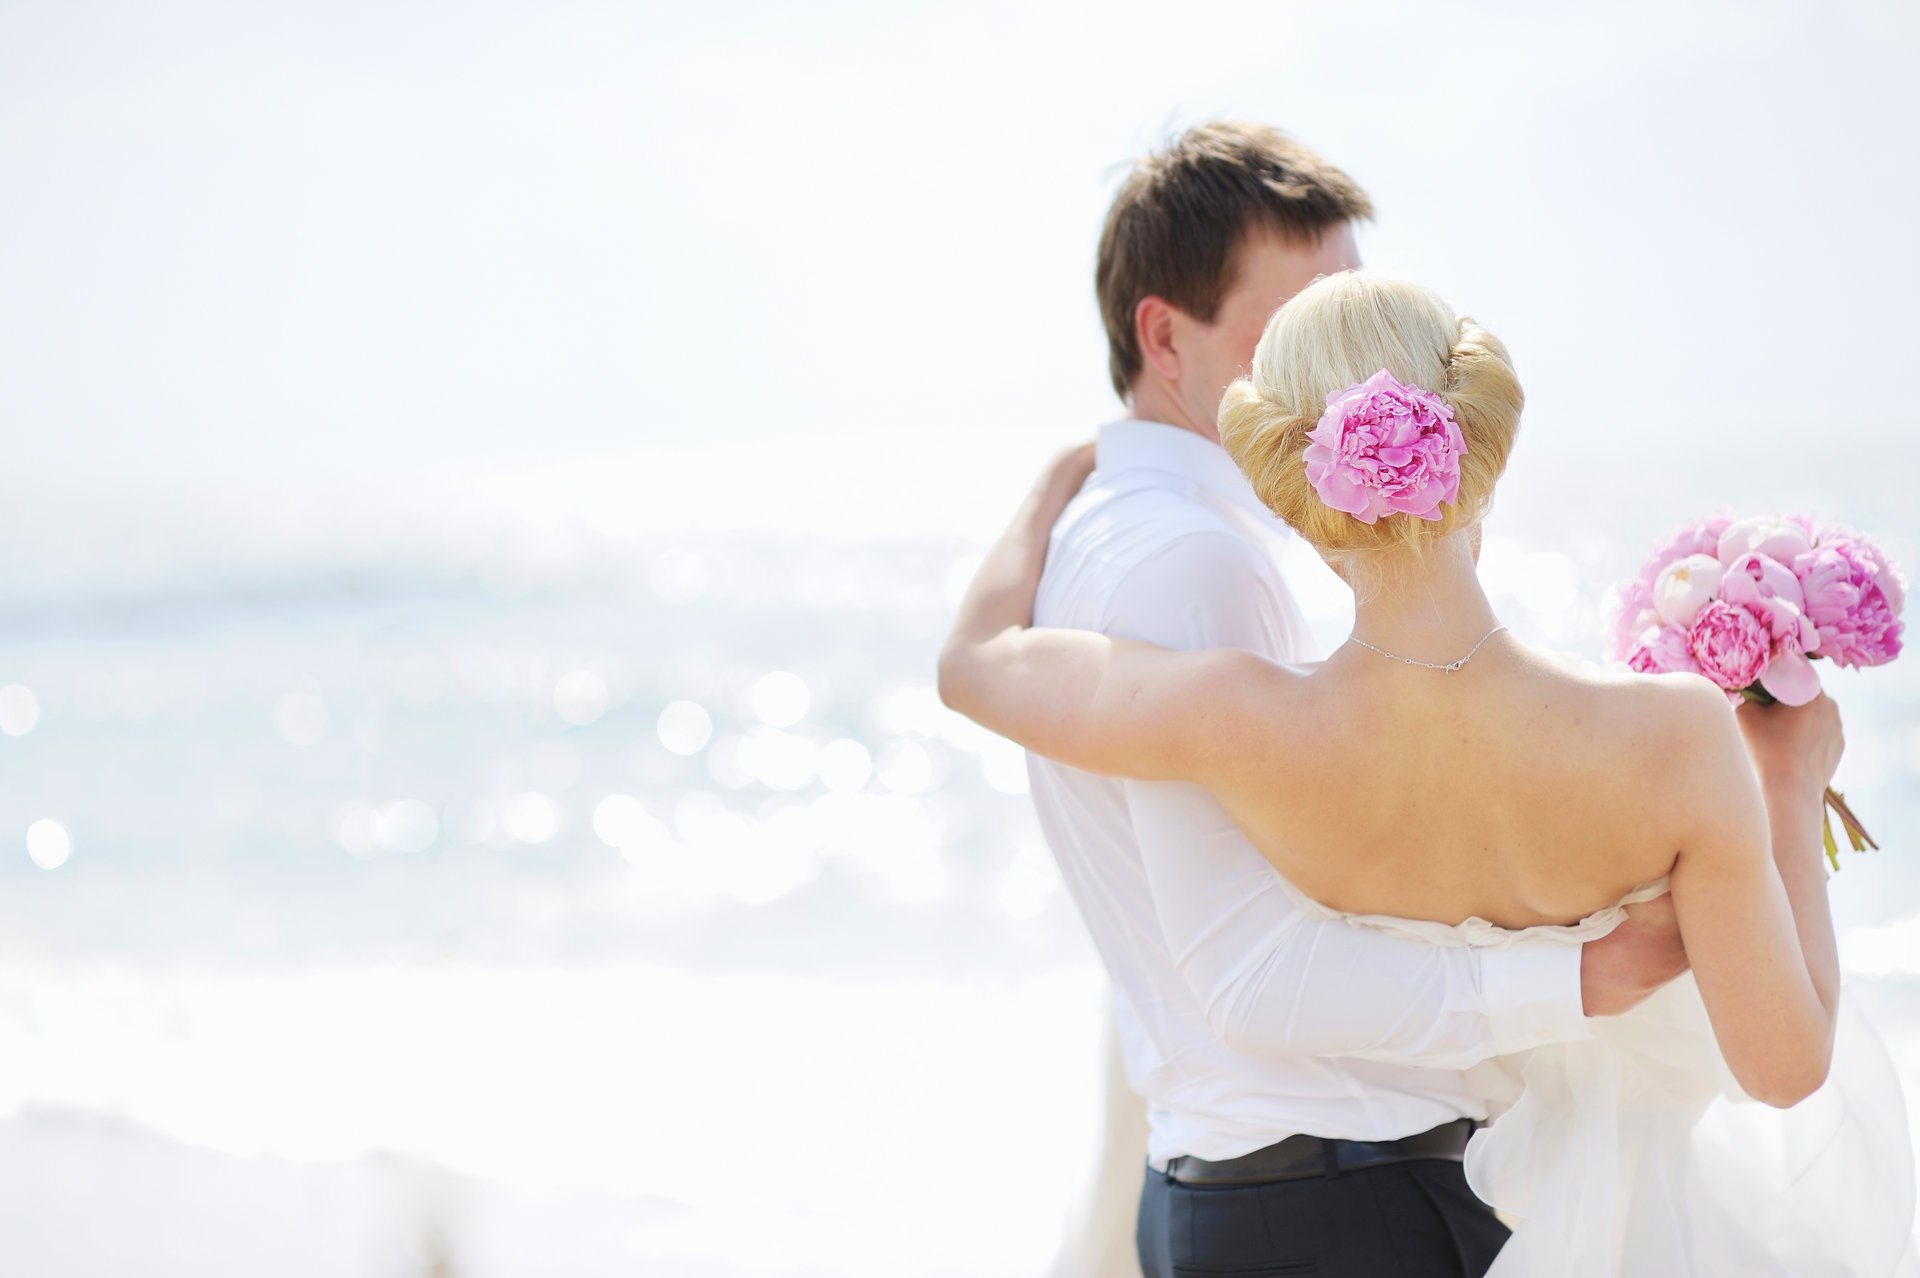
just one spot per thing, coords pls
(1139, 445)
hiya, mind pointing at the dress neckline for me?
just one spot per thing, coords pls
(1480, 933)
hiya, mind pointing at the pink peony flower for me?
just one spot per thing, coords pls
(1636, 610)
(1685, 587)
(1730, 643)
(1757, 601)
(1662, 650)
(1768, 589)
(1385, 448)
(1772, 592)
(1854, 598)
(1778, 539)
(1789, 675)
(1632, 613)
(1702, 538)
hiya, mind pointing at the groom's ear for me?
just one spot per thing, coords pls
(1155, 323)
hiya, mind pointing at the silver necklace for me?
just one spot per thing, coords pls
(1445, 667)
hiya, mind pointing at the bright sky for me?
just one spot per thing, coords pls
(828, 266)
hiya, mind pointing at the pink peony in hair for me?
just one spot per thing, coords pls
(1385, 448)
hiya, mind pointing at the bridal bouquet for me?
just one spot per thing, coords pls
(1751, 604)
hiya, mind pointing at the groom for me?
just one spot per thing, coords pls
(1305, 1108)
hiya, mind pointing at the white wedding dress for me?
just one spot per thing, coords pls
(1634, 1153)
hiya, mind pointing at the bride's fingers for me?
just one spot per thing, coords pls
(1065, 474)
(1075, 462)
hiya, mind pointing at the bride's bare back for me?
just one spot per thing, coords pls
(1518, 789)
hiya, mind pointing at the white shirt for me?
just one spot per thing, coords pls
(1243, 1017)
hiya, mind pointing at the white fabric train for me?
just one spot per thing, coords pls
(1635, 1153)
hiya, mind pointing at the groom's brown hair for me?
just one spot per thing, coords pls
(1184, 211)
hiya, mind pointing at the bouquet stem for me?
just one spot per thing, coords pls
(1857, 836)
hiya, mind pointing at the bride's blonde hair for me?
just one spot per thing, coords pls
(1337, 332)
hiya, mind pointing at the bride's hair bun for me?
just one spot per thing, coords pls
(1336, 333)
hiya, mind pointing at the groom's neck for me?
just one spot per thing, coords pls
(1153, 401)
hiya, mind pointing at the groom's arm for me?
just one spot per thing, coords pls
(1274, 974)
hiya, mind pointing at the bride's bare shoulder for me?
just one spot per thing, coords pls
(1263, 687)
(1658, 719)
(1685, 697)
(1638, 706)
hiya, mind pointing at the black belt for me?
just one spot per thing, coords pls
(1301, 1157)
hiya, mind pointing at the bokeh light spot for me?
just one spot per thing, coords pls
(353, 830)
(48, 843)
(779, 760)
(780, 699)
(845, 765)
(405, 825)
(19, 710)
(530, 817)
(685, 727)
(905, 767)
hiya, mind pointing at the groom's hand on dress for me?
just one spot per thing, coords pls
(1623, 968)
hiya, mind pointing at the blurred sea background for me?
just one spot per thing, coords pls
(486, 483)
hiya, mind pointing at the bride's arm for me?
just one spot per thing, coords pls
(1112, 706)
(1750, 891)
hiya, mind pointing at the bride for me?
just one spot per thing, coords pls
(1438, 778)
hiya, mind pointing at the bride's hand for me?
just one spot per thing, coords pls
(1802, 743)
(1062, 478)
(1001, 596)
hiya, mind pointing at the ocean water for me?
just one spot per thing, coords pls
(652, 893)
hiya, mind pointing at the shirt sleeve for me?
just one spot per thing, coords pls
(1271, 973)
(1206, 589)
(1274, 975)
